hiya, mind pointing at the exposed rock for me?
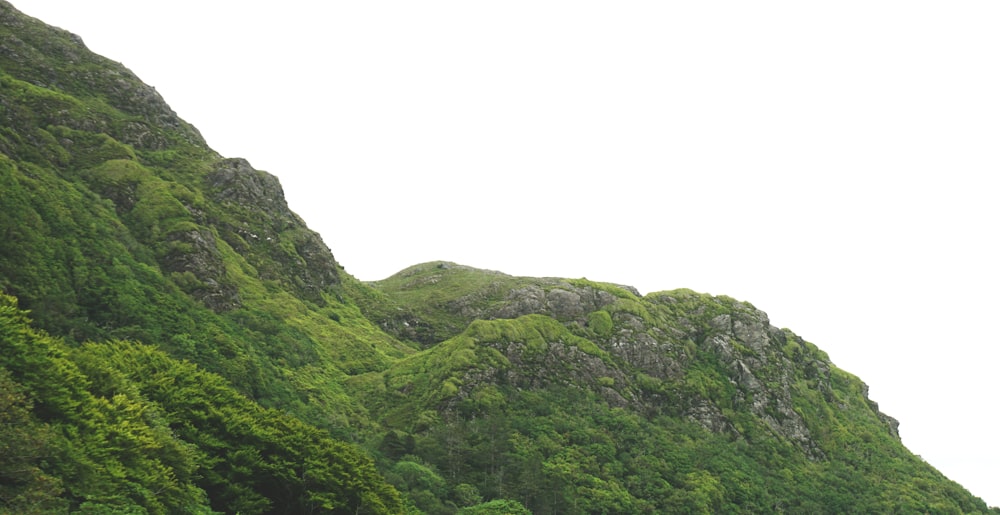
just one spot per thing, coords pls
(277, 243)
(561, 300)
(648, 349)
(34, 52)
(235, 181)
(141, 135)
(195, 252)
(666, 336)
(557, 363)
(710, 417)
(891, 423)
(750, 349)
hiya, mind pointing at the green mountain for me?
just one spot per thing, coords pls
(174, 339)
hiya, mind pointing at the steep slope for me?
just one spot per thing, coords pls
(572, 393)
(172, 290)
(122, 428)
(121, 223)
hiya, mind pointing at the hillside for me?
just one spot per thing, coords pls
(175, 339)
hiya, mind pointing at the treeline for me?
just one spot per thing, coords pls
(120, 427)
(563, 450)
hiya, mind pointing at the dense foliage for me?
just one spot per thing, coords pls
(121, 427)
(593, 433)
(193, 347)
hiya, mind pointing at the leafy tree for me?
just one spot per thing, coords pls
(24, 444)
(135, 430)
(496, 507)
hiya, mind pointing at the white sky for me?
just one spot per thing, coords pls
(829, 162)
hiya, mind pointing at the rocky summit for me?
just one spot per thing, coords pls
(175, 339)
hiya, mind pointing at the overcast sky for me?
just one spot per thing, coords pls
(829, 162)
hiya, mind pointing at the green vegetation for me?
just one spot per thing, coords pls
(193, 347)
(515, 424)
(409, 299)
(122, 427)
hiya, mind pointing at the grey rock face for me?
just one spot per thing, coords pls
(557, 363)
(277, 243)
(750, 349)
(235, 181)
(562, 301)
(710, 417)
(649, 349)
(89, 73)
(196, 252)
(712, 360)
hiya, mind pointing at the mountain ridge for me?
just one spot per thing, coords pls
(463, 387)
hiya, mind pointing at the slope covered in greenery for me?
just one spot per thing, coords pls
(121, 223)
(194, 347)
(121, 427)
(585, 395)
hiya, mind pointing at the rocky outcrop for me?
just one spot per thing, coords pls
(466, 294)
(748, 353)
(651, 350)
(564, 364)
(559, 299)
(234, 181)
(270, 236)
(194, 254)
(59, 60)
(707, 358)
(750, 349)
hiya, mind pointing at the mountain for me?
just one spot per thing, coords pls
(174, 339)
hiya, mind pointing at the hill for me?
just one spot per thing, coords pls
(175, 339)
